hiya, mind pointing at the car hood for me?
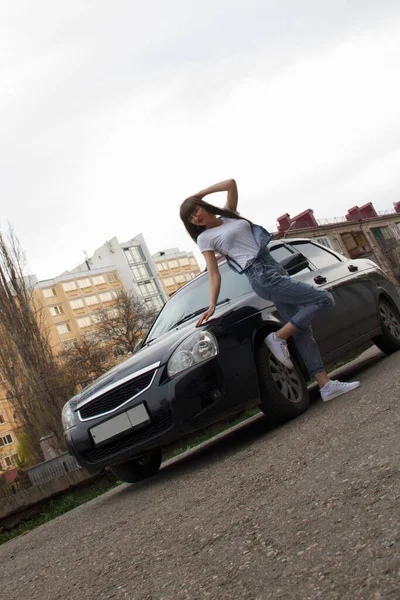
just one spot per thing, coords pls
(158, 351)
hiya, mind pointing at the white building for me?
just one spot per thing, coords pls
(135, 266)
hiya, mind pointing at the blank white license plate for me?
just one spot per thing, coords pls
(132, 419)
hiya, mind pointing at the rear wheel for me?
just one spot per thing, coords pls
(284, 393)
(389, 340)
(138, 469)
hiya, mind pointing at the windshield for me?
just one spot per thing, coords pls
(195, 297)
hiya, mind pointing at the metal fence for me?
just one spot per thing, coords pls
(52, 468)
(41, 473)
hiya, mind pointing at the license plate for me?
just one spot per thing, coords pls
(132, 419)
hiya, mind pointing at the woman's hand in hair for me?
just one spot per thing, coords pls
(204, 317)
(229, 186)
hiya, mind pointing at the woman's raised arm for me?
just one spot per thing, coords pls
(229, 186)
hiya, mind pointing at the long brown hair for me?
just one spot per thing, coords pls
(190, 204)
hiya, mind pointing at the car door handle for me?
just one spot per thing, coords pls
(352, 268)
(320, 279)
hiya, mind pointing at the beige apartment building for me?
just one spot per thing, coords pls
(71, 301)
(9, 426)
(175, 268)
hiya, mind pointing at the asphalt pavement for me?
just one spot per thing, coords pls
(307, 510)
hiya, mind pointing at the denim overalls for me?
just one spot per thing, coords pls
(296, 302)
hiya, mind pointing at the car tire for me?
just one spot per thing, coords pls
(389, 340)
(138, 469)
(284, 393)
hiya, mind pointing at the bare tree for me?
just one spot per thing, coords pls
(125, 323)
(37, 387)
(85, 359)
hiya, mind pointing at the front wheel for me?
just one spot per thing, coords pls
(284, 393)
(138, 469)
(389, 340)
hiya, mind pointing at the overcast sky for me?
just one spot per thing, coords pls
(112, 112)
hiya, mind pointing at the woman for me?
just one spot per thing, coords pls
(245, 247)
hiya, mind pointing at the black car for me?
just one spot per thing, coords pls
(184, 378)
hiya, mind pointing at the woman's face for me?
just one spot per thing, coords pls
(200, 216)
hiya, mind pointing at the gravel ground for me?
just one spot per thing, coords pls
(307, 510)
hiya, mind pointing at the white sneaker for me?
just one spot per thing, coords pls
(334, 388)
(279, 349)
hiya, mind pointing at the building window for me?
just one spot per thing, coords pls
(77, 303)
(189, 276)
(64, 328)
(337, 246)
(173, 264)
(6, 439)
(395, 231)
(84, 283)
(55, 311)
(112, 277)
(184, 262)
(49, 292)
(69, 286)
(99, 279)
(179, 278)
(148, 288)
(9, 461)
(106, 297)
(2, 420)
(84, 322)
(141, 271)
(134, 255)
(91, 300)
(354, 240)
(168, 281)
(324, 241)
(193, 261)
(154, 303)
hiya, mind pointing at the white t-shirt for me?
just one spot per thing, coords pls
(234, 238)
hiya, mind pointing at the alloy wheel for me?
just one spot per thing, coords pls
(287, 380)
(390, 320)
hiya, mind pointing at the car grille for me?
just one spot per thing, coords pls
(114, 398)
(157, 426)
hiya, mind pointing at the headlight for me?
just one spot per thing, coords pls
(67, 417)
(197, 348)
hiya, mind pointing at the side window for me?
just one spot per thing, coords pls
(318, 256)
(280, 252)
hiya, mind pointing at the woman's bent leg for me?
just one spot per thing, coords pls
(305, 341)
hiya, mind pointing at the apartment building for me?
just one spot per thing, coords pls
(71, 301)
(362, 233)
(175, 268)
(136, 268)
(9, 426)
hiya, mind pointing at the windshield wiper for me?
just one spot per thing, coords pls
(195, 313)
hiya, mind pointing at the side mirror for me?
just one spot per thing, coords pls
(295, 263)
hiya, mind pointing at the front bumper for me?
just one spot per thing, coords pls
(177, 407)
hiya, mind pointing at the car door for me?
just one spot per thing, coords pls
(352, 282)
(327, 271)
